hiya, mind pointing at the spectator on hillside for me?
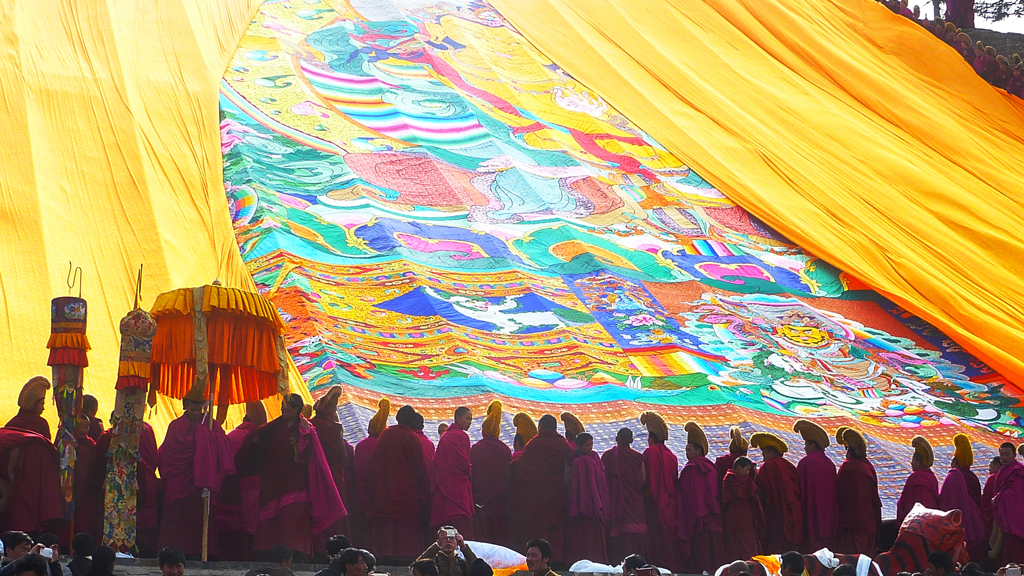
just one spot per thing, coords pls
(443, 553)
(792, 564)
(424, 568)
(538, 557)
(335, 546)
(172, 562)
(279, 563)
(631, 563)
(18, 545)
(29, 565)
(82, 547)
(103, 558)
(939, 564)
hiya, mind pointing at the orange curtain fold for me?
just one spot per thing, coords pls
(174, 302)
(233, 300)
(241, 341)
(173, 343)
(68, 340)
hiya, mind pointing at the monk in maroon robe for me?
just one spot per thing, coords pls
(954, 495)
(88, 494)
(1008, 505)
(90, 406)
(30, 496)
(660, 506)
(987, 511)
(588, 504)
(193, 458)
(399, 491)
(700, 518)
(146, 526)
(738, 446)
(860, 508)
(538, 487)
(818, 500)
(238, 502)
(332, 439)
(361, 466)
(452, 478)
(490, 459)
(742, 517)
(627, 523)
(31, 404)
(778, 485)
(298, 497)
(921, 486)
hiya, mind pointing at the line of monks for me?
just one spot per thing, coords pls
(296, 481)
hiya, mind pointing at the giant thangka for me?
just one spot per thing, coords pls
(442, 214)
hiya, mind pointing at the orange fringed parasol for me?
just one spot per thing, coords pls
(221, 344)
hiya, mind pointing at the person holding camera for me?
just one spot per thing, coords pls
(18, 545)
(443, 553)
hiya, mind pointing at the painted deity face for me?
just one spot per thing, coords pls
(804, 336)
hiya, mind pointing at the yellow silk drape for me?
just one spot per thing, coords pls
(110, 157)
(851, 130)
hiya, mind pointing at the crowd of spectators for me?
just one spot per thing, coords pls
(996, 69)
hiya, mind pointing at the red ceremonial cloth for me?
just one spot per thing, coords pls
(490, 459)
(539, 490)
(1008, 499)
(27, 421)
(35, 499)
(700, 520)
(817, 475)
(452, 479)
(742, 517)
(860, 508)
(921, 486)
(399, 494)
(192, 457)
(779, 485)
(623, 467)
(293, 477)
(955, 496)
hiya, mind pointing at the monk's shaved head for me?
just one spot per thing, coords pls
(624, 436)
(406, 415)
(547, 422)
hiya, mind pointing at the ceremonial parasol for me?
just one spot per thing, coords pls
(222, 344)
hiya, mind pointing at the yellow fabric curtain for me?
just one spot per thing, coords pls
(852, 131)
(110, 158)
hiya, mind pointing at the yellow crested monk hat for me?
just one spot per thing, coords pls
(525, 426)
(923, 450)
(768, 440)
(851, 438)
(655, 424)
(963, 451)
(492, 421)
(695, 435)
(737, 443)
(573, 426)
(33, 391)
(379, 421)
(812, 432)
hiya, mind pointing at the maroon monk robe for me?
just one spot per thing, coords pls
(399, 494)
(192, 457)
(588, 510)
(298, 497)
(742, 517)
(88, 494)
(987, 511)
(490, 459)
(660, 507)
(921, 486)
(954, 496)
(332, 443)
(779, 488)
(860, 509)
(238, 505)
(452, 483)
(700, 517)
(627, 522)
(818, 501)
(26, 420)
(361, 464)
(1008, 511)
(539, 493)
(95, 428)
(34, 503)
